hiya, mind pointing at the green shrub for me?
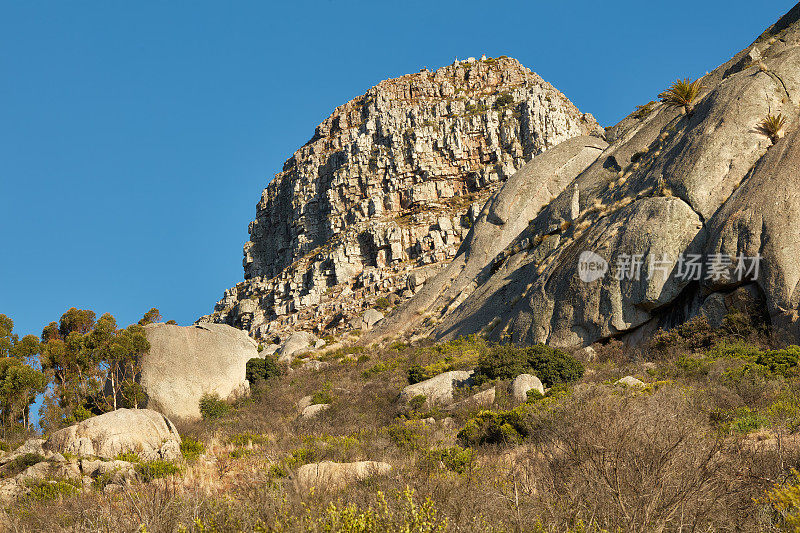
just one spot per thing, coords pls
(406, 515)
(533, 396)
(382, 303)
(301, 456)
(744, 421)
(19, 464)
(376, 369)
(211, 407)
(456, 458)
(550, 365)
(47, 490)
(102, 481)
(157, 469)
(406, 434)
(503, 100)
(782, 362)
(416, 373)
(259, 369)
(553, 366)
(321, 397)
(130, 457)
(496, 427)
(192, 448)
(246, 439)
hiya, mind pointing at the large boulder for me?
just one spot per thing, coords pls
(297, 343)
(438, 390)
(143, 431)
(522, 384)
(184, 363)
(370, 318)
(330, 475)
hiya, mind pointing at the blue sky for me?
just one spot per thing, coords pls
(136, 137)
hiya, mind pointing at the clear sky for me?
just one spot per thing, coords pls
(136, 137)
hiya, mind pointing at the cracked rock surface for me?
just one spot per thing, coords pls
(386, 190)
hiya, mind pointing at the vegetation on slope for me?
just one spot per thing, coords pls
(709, 443)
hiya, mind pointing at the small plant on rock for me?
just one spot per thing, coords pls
(682, 93)
(772, 126)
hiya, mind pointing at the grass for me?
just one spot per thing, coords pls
(698, 446)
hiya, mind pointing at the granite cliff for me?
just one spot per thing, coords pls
(385, 191)
(684, 215)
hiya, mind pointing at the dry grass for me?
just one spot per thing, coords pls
(596, 457)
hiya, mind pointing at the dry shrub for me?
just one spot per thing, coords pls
(638, 462)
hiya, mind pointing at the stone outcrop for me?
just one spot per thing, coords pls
(184, 363)
(329, 475)
(297, 343)
(437, 390)
(668, 189)
(631, 382)
(142, 431)
(521, 384)
(386, 190)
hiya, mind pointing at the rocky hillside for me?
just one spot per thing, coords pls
(387, 188)
(681, 214)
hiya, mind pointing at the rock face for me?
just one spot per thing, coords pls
(610, 255)
(438, 389)
(330, 475)
(184, 363)
(387, 188)
(145, 432)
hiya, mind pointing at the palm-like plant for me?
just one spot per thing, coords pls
(772, 126)
(682, 93)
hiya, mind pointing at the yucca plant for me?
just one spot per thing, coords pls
(682, 93)
(772, 126)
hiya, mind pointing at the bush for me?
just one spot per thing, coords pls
(130, 457)
(382, 303)
(550, 365)
(48, 490)
(157, 469)
(212, 407)
(694, 334)
(20, 463)
(785, 500)
(321, 397)
(553, 366)
(416, 373)
(456, 459)
(496, 427)
(782, 362)
(259, 369)
(246, 439)
(192, 448)
(503, 100)
(406, 434)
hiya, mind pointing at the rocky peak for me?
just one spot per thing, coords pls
(387, 187)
